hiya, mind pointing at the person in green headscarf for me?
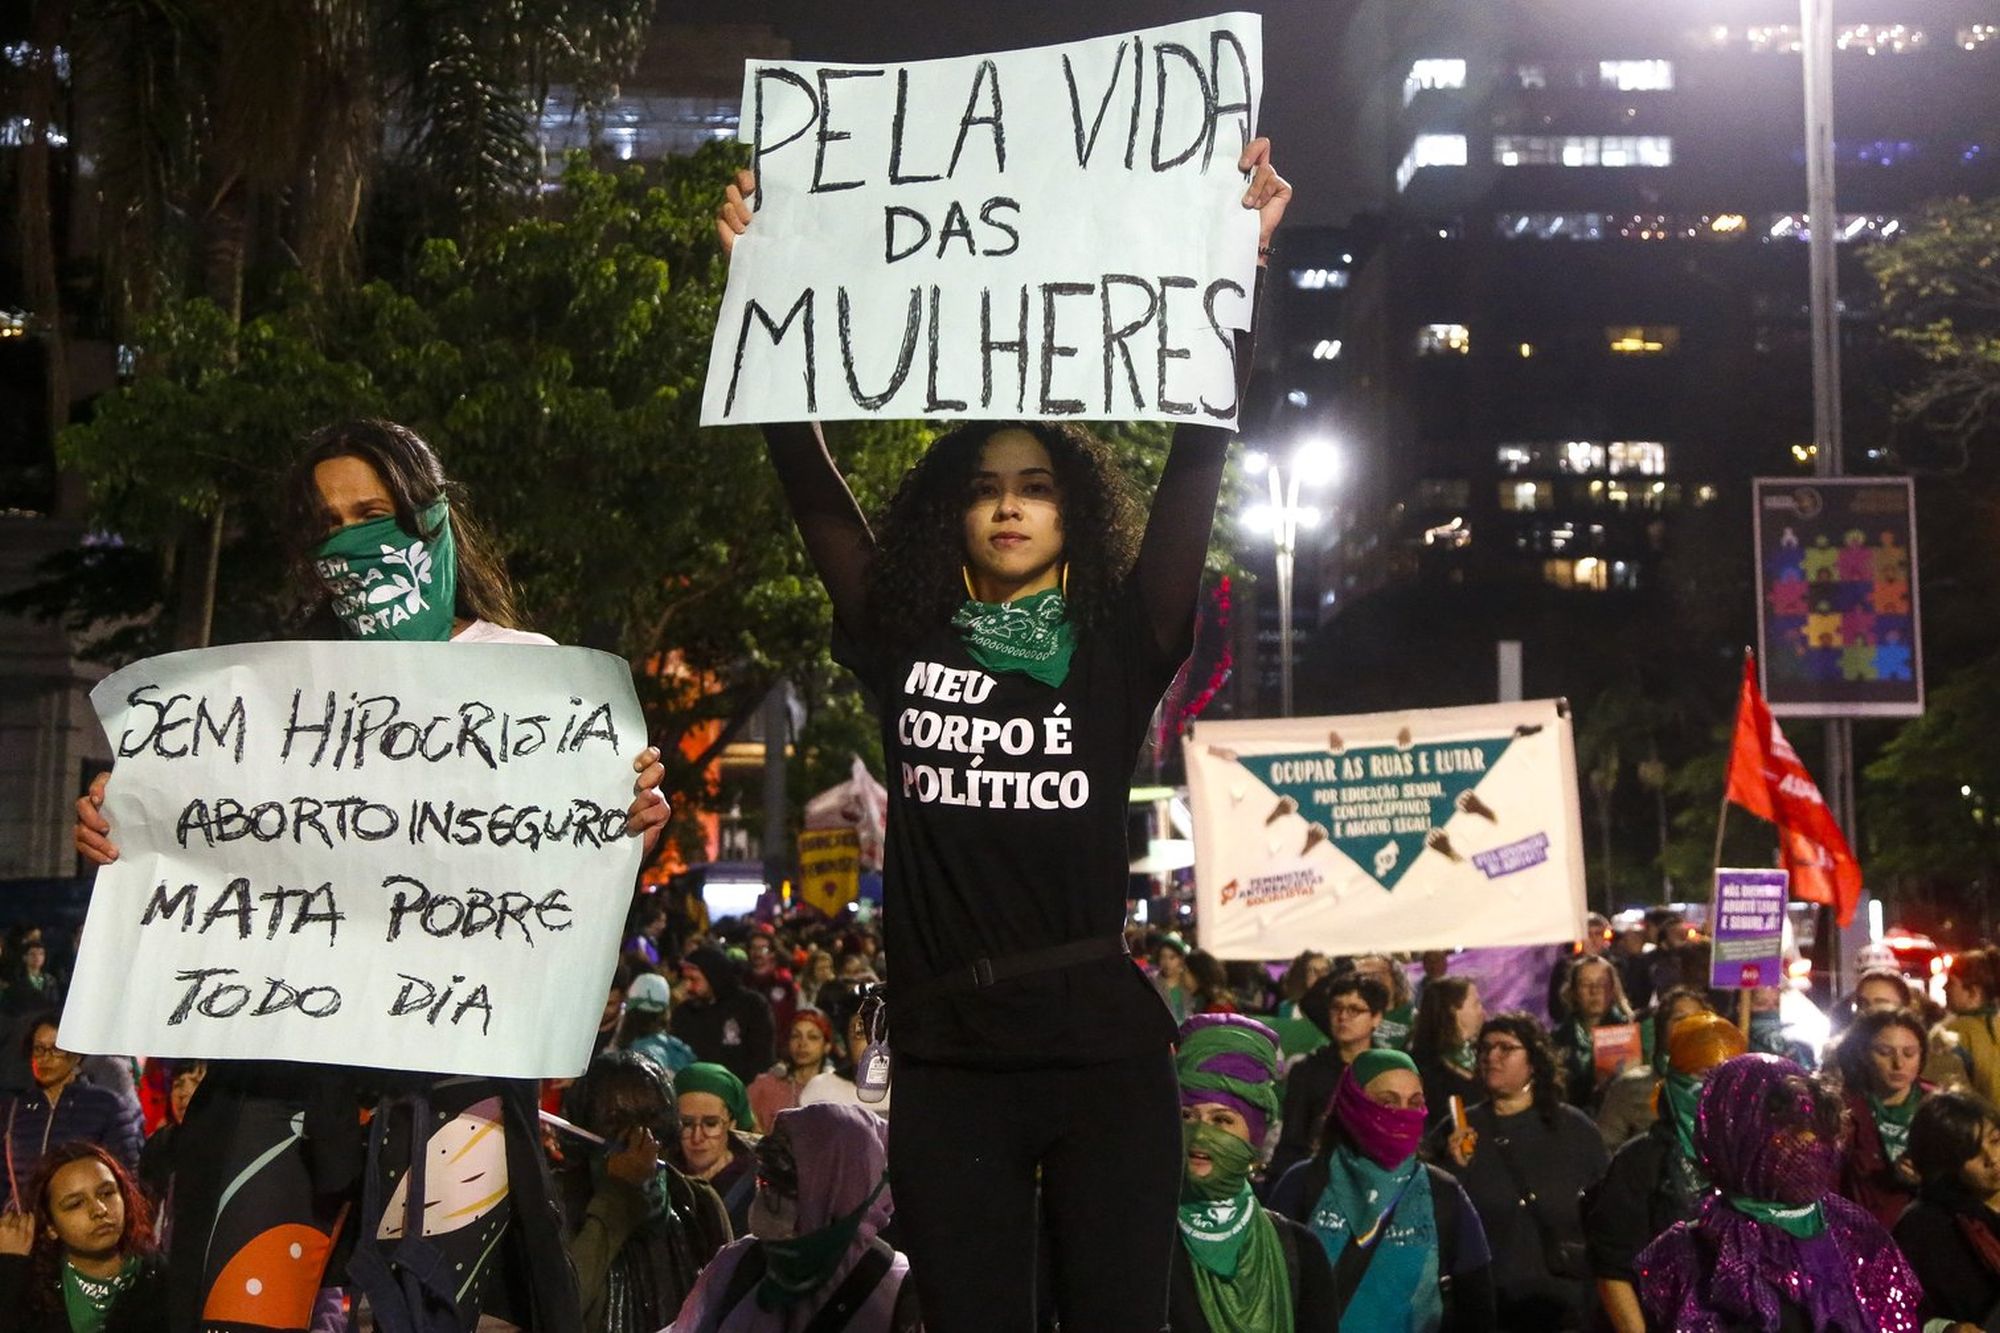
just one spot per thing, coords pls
(718, 1138)
(1654, 1181)
(1408, 1250)
(1239, 1267)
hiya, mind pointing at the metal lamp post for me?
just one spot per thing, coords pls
(1312, 464)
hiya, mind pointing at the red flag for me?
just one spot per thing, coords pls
(1767, 779)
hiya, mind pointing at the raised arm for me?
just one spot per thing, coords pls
(1176, 541)
(836, 535)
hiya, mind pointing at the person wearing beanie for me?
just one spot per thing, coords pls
(718, 1139)
(1772, 1246)
(1655, 1180)
(1239, 1267)
(808, 1054)
(718, 1018)
(1407, 1248)
(643, 1027)
(1524, 1159)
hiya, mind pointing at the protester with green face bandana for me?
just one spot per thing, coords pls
(1654, 1180)
(822, 1195)
(1878, 1060)
(1239, 1268)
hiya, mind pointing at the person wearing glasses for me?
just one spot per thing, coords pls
(1348, 1008)
(61, 1108)
(718, 1138)
(1524, 1156)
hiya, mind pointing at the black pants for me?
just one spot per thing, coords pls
(968, 1150)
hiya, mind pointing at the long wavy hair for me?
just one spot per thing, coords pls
(415, 480)
(1850, 1051)
(917, 580)
(1545, 1077)
(45, 1260)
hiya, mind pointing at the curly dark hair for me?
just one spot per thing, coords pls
(1545, 1076)
(1850, 1052)
(916, 582)
(415, 479)
(45, 1260)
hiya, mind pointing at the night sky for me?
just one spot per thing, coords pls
(1298, 53)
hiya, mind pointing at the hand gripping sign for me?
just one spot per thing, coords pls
(397, 855)
(1032, 234)
(1431, 829)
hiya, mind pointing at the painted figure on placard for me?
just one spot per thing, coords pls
(1823, 626)
(1788, 594)
(1892, 595)
(1892, 657)
(1857, 660)
(1857, 623)
(1891, 560)
(1822, 560)
(1857, 559)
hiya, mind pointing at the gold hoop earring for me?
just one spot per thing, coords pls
(1062, 582)
(965, 572)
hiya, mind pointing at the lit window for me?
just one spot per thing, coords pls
(1879, 38)
(1642, 339)
(1527, 350)
(1727, 224)
(1425, 75)
(1319, 279)
(1430, 150)
(1636, 76)
(1298, 398)
(1443, 340)
(1551, 226)
(1978, 35)
(1514, 457)
(1531, 76)
(1645, 457)
(1853, 227)
(1525, 497)
(1583, 150)
(1326, 349)
(1582, 457)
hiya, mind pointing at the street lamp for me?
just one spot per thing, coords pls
(1314, 463)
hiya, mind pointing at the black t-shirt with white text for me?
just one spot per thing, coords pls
(1006, 834)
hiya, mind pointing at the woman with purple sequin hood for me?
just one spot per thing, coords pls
(1773, 1246)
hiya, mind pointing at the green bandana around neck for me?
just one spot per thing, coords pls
(1463, 1057)
(1679, 1095)
(1804, 1220)
(391, 584)
(1030, 636)
(88, 1300)
(1238, 1260)
(1893, 1123)
(797, 1267)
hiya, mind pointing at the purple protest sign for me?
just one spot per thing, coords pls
(1748, 928)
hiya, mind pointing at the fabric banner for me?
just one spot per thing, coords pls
(1444, 828)
(393, 855)
(1747, 943)
(829, 869)
(1837, 625)
(1047, 233)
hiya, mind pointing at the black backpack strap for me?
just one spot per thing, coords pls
(749, 1272)
(854, 1290)
(1352, 1268)
(1446, 1214)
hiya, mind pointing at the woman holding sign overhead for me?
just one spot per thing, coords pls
(276, 1175)
(1017, 630)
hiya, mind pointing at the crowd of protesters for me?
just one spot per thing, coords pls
(1481, 1171)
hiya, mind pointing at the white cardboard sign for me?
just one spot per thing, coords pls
(1432, 829)
(394, 855)
(1055, 232)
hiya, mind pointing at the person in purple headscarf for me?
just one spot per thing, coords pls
(822, 1195)
(1774, 1247)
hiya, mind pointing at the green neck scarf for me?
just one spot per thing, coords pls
(1463, 1057)
(798, 1267)
(1803, 1220)
(391, 584)
(1030, 636)
(1238, 1260)
(1893, 1123)
(1679, 1094)
(88, 1300)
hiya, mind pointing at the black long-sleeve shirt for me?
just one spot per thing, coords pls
(1006, 832)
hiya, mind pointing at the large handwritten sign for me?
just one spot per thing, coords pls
(403, 856)
(1045, 233)
(1434, 829)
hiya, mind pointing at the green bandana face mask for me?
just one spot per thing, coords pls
(797, 1267)
(391, 584)
(1217, 1209)
(1030, 636)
